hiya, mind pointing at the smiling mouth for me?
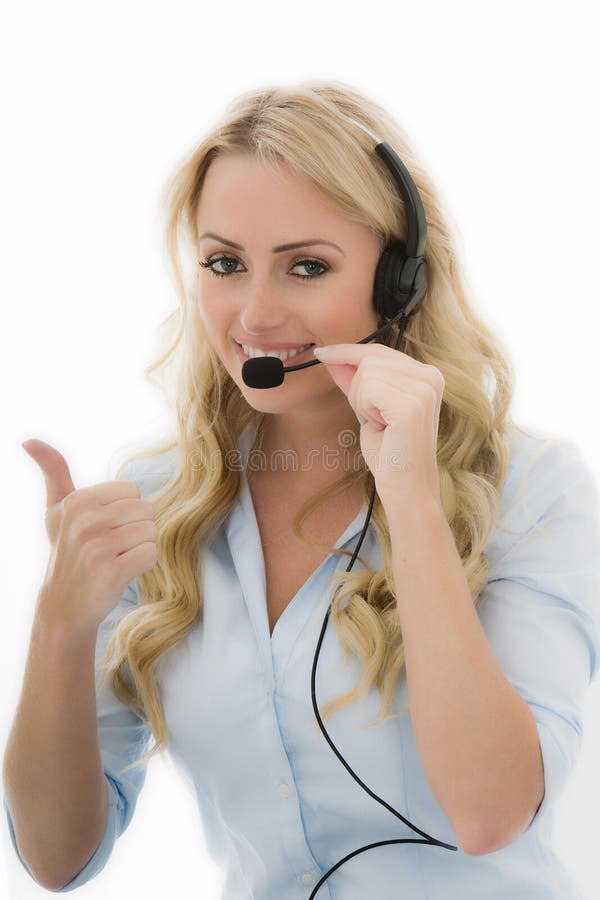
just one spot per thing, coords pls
(299, 357)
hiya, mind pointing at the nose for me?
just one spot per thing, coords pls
(263, 310)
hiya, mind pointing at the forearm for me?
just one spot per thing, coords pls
(53, 776)
(476, 736)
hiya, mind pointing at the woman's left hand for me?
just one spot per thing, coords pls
(397, 401)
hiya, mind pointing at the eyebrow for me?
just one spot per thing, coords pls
(279, 249)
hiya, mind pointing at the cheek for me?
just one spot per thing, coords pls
(349, 312)
(211, 308)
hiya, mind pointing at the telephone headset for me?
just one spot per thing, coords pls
(399, 286)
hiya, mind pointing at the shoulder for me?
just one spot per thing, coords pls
(152, 472)
(540, 467)
(548, 476)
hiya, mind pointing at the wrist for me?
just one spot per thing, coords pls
(412, 513)
(53, 623)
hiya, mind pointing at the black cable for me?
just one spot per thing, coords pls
(429, 839)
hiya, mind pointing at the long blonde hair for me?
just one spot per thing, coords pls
(309, 127)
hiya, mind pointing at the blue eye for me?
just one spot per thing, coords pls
(208, 264)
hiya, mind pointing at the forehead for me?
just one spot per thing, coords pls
(240, 192)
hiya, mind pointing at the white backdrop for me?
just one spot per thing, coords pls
(102, 99)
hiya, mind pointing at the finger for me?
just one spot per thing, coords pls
(55, 469)
(354, 354)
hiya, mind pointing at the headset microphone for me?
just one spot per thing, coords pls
(400, 284)
(269, 371)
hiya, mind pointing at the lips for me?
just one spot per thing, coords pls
(300, 357)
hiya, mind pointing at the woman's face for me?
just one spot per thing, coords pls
(257, 294)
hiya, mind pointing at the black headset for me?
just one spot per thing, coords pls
(399, 286)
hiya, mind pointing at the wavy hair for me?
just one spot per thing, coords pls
(309, 126)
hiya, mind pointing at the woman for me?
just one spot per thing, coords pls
(471, 622)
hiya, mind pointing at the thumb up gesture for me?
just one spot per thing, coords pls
(101, 537)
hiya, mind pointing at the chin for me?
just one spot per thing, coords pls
(268, 400)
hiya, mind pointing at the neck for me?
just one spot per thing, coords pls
(314, 441)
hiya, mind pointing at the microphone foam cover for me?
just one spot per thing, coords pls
(263, 372)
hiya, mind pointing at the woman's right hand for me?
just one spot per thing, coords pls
(101, 537)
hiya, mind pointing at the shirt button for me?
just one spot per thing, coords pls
(266, 686)
(308, 878)
(284, 790)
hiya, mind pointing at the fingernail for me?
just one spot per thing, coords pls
(318, 351)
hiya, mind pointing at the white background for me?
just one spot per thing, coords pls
(101, 100)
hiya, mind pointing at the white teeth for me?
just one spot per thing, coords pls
(283, 355)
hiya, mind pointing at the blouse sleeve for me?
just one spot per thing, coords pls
(541, 607)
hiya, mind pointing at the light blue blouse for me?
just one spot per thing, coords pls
(277, 806)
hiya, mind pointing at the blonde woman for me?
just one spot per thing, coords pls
(187, 596)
